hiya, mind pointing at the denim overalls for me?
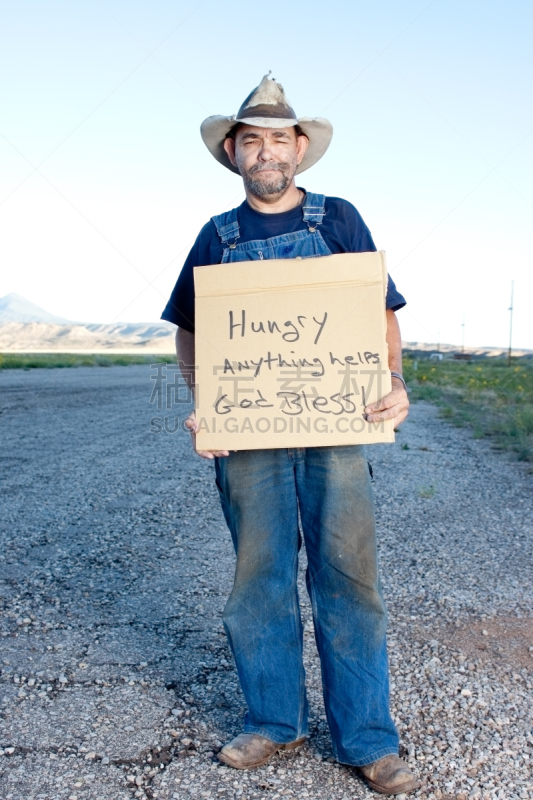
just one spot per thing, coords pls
(262, 493)
(301, 244)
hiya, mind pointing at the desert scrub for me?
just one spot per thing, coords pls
(61, 360)
(489, 396)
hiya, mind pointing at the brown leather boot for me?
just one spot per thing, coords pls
(390, 775)
(249, 750)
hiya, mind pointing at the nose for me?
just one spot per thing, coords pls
(265, 151)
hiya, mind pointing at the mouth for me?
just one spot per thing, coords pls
(267, 179)
(261, 170)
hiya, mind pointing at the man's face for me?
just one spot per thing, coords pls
(266, 158)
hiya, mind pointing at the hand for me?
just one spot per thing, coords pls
(394, 405)
(192, 425)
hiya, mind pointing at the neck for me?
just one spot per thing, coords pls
(291, 198)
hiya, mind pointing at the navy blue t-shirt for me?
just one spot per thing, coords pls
(342, 229)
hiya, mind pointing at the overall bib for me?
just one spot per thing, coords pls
(263, 493)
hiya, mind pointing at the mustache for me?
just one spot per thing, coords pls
(280, 167)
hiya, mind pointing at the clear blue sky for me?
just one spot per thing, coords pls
(431, 105)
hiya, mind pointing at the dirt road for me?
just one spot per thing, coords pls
(116, 678)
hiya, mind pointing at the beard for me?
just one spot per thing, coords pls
(272, 187)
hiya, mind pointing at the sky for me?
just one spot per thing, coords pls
(106, 181)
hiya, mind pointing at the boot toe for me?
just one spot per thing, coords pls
(390, 775)
(247, 750)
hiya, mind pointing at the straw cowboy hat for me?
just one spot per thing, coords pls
(267, 107)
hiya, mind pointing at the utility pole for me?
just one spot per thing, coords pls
(510, 309)
(463, 327)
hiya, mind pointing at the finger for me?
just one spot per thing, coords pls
(205, 454)
(378, 408)
(373, 407)
(211, 454)
(193, 439)
(398, 421)
(388, 413)
(386, 402)
(393, 398)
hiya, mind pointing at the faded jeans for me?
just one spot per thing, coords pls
(262, 492)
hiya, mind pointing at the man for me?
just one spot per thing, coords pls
(269, 496)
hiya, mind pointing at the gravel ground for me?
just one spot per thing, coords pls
(115, 564)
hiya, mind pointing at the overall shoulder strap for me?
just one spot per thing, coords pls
(227, 226)
(314, 209)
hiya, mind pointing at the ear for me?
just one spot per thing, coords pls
(229, 147)
(301, 147)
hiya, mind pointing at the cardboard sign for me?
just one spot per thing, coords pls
(289, 352)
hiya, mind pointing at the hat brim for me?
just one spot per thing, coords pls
(318, 130)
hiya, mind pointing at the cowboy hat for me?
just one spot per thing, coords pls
(267, 107)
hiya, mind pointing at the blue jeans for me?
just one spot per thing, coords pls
(262, 493)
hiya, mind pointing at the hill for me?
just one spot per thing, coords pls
(15, 308)
(39, 337)
(27, 328)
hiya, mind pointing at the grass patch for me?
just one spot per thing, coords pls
(487, 395)
(62, 360)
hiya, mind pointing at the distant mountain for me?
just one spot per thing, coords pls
(27, 328)
(15, 308)
(44, 337)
